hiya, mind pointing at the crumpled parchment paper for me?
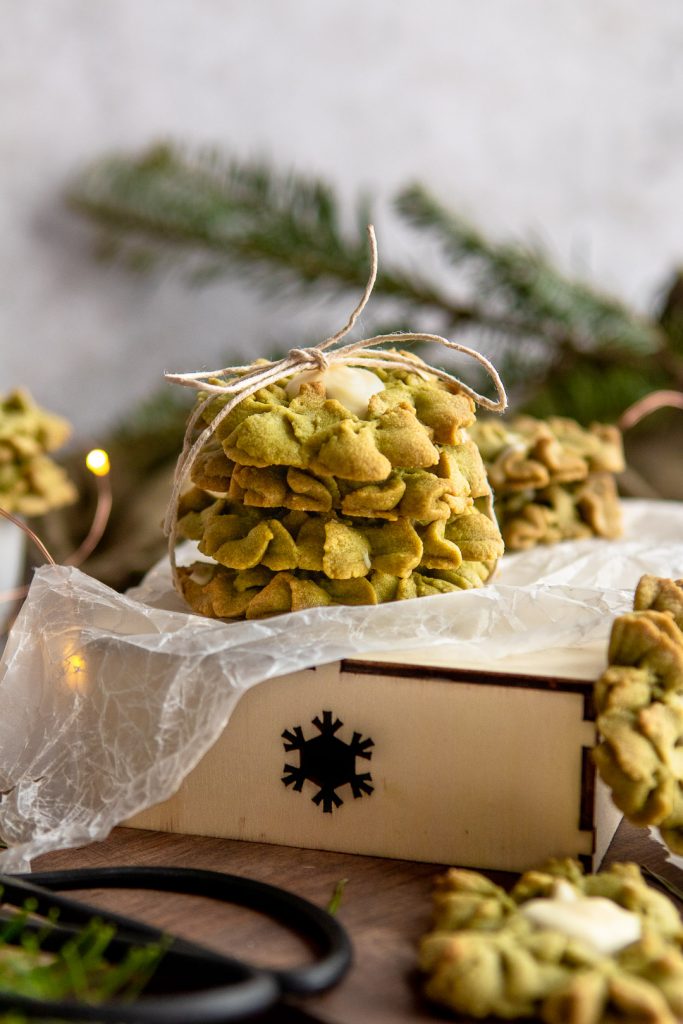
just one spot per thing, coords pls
(673, 858)
(107, 701)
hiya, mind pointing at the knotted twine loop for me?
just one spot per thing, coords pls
(243, 381)
(313, 357)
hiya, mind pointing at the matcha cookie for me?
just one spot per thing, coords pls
(30, 482)
(300, 502)
(639, 703)
(552, 479)
(562, 946)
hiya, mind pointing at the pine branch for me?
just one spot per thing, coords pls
(589, 390)
(570, 313)
(152, 434)
(281, 229)
(548, 333)
(670, 317)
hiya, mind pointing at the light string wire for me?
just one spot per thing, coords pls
(648, 404)
(241, 382)
(31, 534)
(84, 550)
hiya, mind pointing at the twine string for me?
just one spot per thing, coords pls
(240, 382)
(315, 357)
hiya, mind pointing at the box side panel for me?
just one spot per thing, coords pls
(607, 818)
(486, 776)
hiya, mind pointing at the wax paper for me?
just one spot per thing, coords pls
(673, 858)
(107, 701)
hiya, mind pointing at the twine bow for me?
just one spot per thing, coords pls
(243, 381)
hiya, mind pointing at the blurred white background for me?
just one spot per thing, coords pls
(560, 121)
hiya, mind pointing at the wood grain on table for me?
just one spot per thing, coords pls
(385, 907)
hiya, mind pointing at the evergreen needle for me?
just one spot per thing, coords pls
(563, 345)
(337, 894)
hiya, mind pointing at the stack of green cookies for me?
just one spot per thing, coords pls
(30, 482)
(639, 703)
(300, 502)
(552, 479)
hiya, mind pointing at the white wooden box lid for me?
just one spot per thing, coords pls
(579, 663)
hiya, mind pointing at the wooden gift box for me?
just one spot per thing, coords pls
(414, 755)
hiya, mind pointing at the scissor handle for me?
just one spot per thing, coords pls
(251, 989)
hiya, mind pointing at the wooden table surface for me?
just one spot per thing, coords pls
(385, 907)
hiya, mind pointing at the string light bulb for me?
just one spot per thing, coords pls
(98, 462)
(76, 671)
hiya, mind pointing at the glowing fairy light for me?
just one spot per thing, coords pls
(97, 462)
(75, 671)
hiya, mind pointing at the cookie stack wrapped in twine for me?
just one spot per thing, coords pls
(239, 383)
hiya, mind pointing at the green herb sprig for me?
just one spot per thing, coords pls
(33, 966)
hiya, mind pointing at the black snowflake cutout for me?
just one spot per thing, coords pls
(328, 762)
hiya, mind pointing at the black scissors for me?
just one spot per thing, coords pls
(192, 985)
